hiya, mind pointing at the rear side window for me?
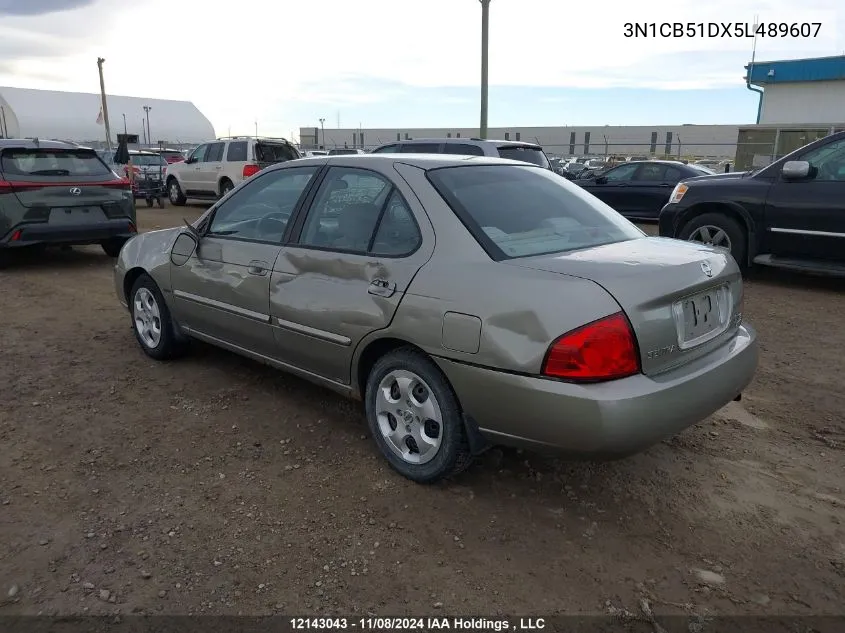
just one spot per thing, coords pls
(52, 162)
(237, 152)
(274, 152)
(521, 211)
(215, 152)
(463, 149)
(525, 154)
(421, 148)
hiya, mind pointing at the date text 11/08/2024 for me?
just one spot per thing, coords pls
(721, 29)
(417, 624)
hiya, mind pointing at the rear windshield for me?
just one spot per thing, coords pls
(173, 154)
(525, 154)
(520, 211)
(52, 162)
(147, 160)
(342, 152)
(274, 152)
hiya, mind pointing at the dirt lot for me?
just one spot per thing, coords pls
(216, 485)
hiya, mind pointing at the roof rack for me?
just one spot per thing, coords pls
(246, 136)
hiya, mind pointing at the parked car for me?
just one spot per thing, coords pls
(639, 189)
(214, 168)
(55, 193)
(311, 153)
(515, 150)
(789, 214)
(598, 339)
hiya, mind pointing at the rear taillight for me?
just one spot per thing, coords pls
(16, 236)
(122, 183)
(250, 170)
(5, 185)
(601, 350)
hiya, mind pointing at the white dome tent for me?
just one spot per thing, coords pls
(73, 116)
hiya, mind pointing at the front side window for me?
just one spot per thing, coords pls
(829, 161)
(198, 155)
(262, 208)
(518, 211)
(623, 173)
(359, 211)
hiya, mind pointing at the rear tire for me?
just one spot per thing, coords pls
(225, 186)
(722, 230)
(151, 321)
(405, 393)
(174, 193)
(112, 247)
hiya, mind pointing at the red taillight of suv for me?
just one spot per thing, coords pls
(602, 350)
(250, 170)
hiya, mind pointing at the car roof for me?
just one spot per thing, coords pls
(30, 143)
(423, 161)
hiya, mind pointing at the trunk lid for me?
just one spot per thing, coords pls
(678, 312)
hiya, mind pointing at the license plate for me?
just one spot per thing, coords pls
(702, 316)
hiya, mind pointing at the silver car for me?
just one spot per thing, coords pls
(468, 301)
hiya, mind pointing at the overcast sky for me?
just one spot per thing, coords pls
(392, 63)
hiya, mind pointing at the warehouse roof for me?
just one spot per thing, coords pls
(793, 70)
(73, 116)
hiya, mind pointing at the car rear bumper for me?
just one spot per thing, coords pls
(91, 233)
(612, 419)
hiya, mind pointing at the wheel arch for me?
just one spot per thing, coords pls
(129, 280)
(730, 209)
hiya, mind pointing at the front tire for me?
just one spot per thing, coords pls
(175, 194)
(415, 417)
(718, 229)
(151, 320)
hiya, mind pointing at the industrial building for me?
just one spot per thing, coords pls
(717, 141)
(74, 116)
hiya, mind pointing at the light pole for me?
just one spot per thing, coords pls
(125, 133)
(323, 129)
(103, 102)
(485, 39)
(149, 136)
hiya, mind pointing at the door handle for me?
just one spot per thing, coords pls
(257, 267)
(219, 167)
(382, 288)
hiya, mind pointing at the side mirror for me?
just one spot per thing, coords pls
(184, 247)
(190, 159)
(601, 180)
(795, 170)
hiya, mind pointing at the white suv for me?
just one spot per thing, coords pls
(214, 168)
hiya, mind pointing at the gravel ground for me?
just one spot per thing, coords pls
(216, 485)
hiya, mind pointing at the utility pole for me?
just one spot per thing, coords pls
(100, 61)
(125, 133)
(149, 135)
(485, 40)
(323, 128)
